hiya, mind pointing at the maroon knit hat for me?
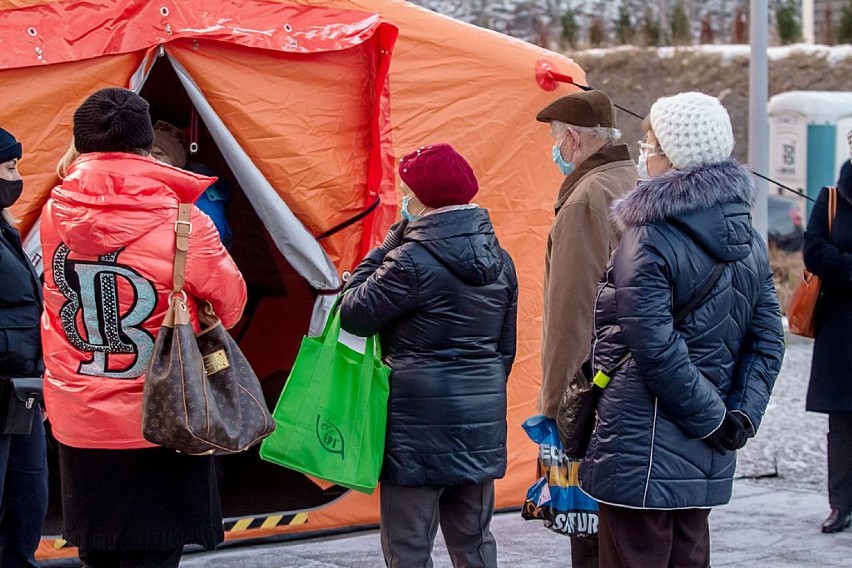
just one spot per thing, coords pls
(439, 176)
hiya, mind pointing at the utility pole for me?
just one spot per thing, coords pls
(485, 17)
(758, 123)
(808, 21)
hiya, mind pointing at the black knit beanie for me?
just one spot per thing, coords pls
(113, 120)
(10, 148)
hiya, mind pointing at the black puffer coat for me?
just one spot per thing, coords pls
(445, 304)
(20, 309)
(830, 258)
(647, 451)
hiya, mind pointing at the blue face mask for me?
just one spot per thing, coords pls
(404, 209)
(565, 167)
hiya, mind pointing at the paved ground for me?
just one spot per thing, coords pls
(763, 527)
(771, 522)
(789, 435)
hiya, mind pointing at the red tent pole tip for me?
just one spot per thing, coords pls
(547, 76)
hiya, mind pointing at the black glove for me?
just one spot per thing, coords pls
(745, 421)
(730, 436)
(394, 237)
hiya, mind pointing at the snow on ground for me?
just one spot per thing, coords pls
(788, 436)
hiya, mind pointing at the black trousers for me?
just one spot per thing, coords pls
(131, 558)
(840, 461)
(584, 552)
(410, 519)
(23, 495)
(646, 538)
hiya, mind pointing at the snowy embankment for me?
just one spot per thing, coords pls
(635, 77)
(834, 54)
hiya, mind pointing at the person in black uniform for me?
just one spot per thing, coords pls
(23, 457)
(828, 254)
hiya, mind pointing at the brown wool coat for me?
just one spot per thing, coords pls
(579, 245)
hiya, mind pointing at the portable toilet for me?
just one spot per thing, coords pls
(808, 144)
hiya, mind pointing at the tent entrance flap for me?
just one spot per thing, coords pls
(281, 299)
(294, 241)
(279, 311)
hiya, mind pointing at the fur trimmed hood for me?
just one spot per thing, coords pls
(711, 204)
(677, 192)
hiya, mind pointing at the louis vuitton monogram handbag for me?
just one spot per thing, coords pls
(201, 396)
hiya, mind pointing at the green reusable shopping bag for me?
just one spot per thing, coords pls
(332, 414)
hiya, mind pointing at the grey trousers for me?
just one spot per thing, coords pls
(410, 519)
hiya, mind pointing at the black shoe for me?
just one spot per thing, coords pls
(836, 522)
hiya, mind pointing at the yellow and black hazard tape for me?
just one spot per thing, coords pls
(60, 543)
(234, 526)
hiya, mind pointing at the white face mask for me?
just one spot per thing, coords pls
(646, 151)
(643, 166)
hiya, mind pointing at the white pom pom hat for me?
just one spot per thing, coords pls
(693, 130)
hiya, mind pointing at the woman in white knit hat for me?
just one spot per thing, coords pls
(688, 304)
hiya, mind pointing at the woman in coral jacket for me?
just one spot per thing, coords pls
(108, 240)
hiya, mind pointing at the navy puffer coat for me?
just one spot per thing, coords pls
(20, 309)
(647, 450)
(445, 304)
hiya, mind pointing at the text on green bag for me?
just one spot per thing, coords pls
(329, 436)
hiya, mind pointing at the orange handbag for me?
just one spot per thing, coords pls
(800, 310)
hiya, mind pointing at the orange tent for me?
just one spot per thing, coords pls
(303, 106)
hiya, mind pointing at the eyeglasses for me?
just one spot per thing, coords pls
(650, 149)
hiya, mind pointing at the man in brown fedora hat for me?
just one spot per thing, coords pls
(597, 172)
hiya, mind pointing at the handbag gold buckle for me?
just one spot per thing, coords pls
(216, 362)
(188, 227)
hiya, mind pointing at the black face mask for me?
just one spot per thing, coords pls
(10, 191)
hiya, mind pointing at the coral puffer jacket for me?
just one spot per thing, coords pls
(108, 241)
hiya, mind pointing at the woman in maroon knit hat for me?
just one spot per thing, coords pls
(442, 294)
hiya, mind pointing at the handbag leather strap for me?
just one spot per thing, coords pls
(832, 213)
(183, 228)
(832, 207)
